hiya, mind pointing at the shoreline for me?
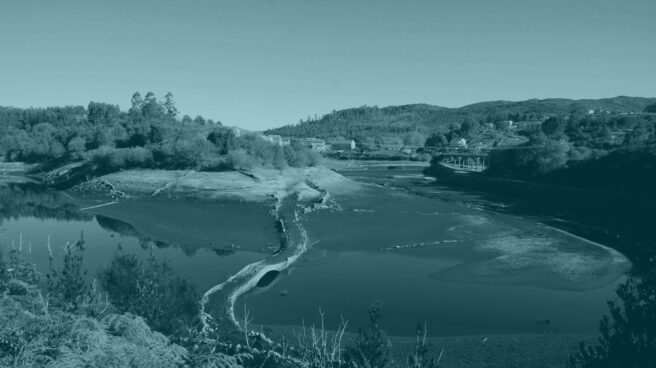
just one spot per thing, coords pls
(258, 185)
(585, 214)
(471, 351)
(288, 188)
(291, 192)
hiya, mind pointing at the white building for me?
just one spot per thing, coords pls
(459, 142)
(342, 145)
(277, 140)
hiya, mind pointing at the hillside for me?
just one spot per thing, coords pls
(394, 120)
(68, 144)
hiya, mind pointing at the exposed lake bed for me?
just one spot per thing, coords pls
(464, 270)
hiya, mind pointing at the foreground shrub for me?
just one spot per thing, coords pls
(12, 267)
(208, 350)
(61, 339)
(628, 335)
(319, 348)
(34, 332)
(372, 346)
(151, 290)
(68, 284)
(420, 357)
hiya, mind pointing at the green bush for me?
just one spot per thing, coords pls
(151, 290)
(68, 284)
(628, 333)
(12, 267)
(372, 346)
(241, 160)
(36, 332)
(183, 154)
(420, 357)
(298, 156)
(109, 158)
(30, 338)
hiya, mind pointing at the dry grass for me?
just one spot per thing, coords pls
(319, 348)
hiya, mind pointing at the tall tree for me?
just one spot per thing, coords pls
(436, 140)
(151, 108)
(199, 120)
(137, 102)
(415, 139)
(169, 105)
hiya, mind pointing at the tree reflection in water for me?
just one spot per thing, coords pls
(32, 200)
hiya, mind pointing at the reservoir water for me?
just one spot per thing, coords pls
(463, 268)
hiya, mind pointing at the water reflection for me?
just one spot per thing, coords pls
(22, 200)
(43, 221)
(125, 229)
(147, 242)
(32, 200)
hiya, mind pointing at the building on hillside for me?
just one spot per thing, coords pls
(342, 145)
(277, 140)
(236, 131)
(458, 142)
(315, 144)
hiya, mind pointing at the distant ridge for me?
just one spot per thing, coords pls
(392, 120)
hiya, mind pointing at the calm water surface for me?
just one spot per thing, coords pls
(424, 259)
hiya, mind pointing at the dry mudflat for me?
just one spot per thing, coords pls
(255, 185)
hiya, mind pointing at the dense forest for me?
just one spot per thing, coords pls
(367, 122)
(149, 135)
(612, 151)
(568, 140)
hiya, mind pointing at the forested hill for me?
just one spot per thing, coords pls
(361, 121)
(102, 138)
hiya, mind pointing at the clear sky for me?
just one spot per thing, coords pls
(260, 64)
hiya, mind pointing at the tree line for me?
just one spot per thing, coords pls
(574, 141)
(150, 134)
(370, 122)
